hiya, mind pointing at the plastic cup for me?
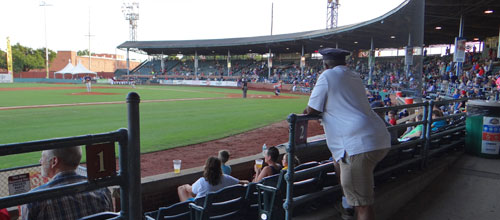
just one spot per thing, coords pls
(177, 166)
(259, 162)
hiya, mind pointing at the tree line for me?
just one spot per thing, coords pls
(25, 58)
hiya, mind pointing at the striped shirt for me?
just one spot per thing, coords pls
(68, 207)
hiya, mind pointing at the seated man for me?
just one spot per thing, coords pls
(60, 165)
(415, 132)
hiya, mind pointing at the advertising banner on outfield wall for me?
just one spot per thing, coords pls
(199, 83)
(6, 78)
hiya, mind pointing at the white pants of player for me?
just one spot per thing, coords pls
(89, 86)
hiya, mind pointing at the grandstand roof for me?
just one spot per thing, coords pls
(442, 13)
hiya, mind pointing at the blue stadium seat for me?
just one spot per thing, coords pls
(227, 203)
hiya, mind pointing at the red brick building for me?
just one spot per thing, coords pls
(104, 64)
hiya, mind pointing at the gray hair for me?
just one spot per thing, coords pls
(69, 156)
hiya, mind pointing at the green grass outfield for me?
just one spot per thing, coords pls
(163, 124)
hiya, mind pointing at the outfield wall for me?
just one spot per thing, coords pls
(43, 80)
(199, 83)
(6, 78)
(43, 74)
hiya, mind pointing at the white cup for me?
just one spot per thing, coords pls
(177, 166)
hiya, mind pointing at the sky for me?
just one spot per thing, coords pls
(68, 20)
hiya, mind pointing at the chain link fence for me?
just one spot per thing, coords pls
(35, 178)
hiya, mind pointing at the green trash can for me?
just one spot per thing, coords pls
(483, 129)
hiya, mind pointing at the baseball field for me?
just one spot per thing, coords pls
(171, 116)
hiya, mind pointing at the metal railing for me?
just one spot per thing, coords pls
(422, 159)
(128, 177)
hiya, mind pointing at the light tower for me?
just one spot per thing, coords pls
(131, 13)
(332, 13)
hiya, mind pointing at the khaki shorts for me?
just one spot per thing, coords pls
(356, 176)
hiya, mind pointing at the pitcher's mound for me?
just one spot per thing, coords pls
(255, 96)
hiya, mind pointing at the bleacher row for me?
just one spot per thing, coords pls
(285, 68)
(306, 186)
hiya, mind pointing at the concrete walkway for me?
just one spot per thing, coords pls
(469, 190)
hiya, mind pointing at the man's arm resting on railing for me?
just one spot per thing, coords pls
(311, 111)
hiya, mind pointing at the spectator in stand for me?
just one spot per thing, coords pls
(404, 113)
(213, 179)
(415, 132)
(60, 165)
(437, 124)
(387, 100)
(273, 167)
(224, 157)
(356, 136)
(284, 161)
(392, 117)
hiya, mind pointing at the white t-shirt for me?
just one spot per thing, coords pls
(349, 122)
(201, 187)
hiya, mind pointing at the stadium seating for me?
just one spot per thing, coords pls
(101, 216)
(308, 185)
(252, 199)
(313, 180)
(178, 211)
(227, 203)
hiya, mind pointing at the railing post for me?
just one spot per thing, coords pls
(428, 122)
(132, 194)
(287, 206)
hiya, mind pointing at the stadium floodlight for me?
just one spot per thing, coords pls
(131, 13)
(44, 5)
(332, 14)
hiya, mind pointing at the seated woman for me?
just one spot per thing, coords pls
(273, 167)
(415, 132)
(212, 180)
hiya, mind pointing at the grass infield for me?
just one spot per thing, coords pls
(163, 124)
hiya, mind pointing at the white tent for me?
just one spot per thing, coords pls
(74, 70)
(66, 69)
(80, 69)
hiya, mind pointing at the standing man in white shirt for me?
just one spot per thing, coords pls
(356, 136)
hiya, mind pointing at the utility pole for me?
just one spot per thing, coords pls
(44, 5)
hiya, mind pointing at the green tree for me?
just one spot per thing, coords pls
(3, 60)
(26, 58)
(83, 53)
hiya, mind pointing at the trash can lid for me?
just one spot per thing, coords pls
(483, 103)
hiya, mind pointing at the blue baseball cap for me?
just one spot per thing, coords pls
(334, 54)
